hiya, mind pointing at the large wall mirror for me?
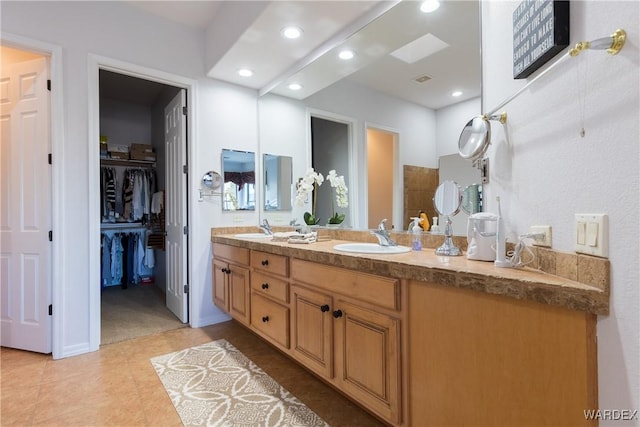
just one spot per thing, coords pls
(239, 175)
(278, 180)
(391, 88)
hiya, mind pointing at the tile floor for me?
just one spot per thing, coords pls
(117, 386)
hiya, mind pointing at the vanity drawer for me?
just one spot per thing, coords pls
(378, 290)
(231, 253)
(274, 264)
(270, 318)
(275, 288)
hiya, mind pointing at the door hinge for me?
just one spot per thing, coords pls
(185, 230)
(185, 169)
(51, 235)
(186, 289)
(49, 85)
(184, 110)
(50, 158)
(50, 309)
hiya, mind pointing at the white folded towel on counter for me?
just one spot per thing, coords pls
(303, 238)
(294, 237)
(283, 236)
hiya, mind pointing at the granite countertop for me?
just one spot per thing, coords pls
(518, 283)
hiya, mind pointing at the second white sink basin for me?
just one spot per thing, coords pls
(371, 248)
(251, 235)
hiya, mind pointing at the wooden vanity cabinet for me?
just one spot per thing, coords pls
(346, 327)
(231, 286)
(312, 329)
(270, 297)
(481, 359)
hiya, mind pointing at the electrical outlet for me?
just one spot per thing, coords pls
(237, 218)
(542, 229)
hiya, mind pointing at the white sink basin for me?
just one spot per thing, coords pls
(371, 248)
(252, 236)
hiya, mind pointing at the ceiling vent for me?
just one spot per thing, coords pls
(422, 79)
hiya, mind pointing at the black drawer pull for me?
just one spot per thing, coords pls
(265, 319)
(324, 308)
(265, 262)
(265, 286)
(337, 313)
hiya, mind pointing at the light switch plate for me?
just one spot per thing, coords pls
(592, 234)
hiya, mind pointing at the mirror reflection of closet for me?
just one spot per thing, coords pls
(278, 180)
(239, 174)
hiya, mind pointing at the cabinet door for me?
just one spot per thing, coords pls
(368, 358)
(220, 285)
(270, 318)
(312, 330)
(239, 293)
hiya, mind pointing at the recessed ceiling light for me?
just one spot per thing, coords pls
(456, 93)
(291, 32)
(429, 6)
(245, 72)
(295, 86)
(346, 54)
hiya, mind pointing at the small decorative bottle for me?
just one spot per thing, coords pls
(435, 228)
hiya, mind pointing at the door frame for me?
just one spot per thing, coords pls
(95, 64)
(398, 203)
(352, 149)
(56, 123)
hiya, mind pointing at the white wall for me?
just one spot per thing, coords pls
(283, 123)
(450, 121)
(225, 118)
(545, 172)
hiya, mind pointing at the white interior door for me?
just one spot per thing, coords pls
(175, 129)
(25, 207)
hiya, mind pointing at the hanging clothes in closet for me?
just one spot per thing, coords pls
(126, 194)
(125, 257)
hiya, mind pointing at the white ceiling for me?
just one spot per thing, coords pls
(330, 25)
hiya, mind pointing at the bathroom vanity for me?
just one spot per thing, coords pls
(419, 339)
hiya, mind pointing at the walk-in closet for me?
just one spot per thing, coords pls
(132, 207)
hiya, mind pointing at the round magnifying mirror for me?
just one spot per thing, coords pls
(448, 198)
(447, 201)
(211, 180)
(474, 138)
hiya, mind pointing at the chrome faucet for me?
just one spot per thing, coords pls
(266, 227)
(384, 239)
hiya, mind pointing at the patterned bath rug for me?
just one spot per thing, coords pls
(214, 384)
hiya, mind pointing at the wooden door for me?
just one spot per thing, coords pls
(312, 329)
(176, 208)
(368, 358)
(25, 207)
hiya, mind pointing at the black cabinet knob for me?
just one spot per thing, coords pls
(324, 308)
(226, 270)
(265, 319)
(265, 286)
(337, 313)
(265, 262)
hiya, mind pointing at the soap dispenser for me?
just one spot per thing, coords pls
(416, 234)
